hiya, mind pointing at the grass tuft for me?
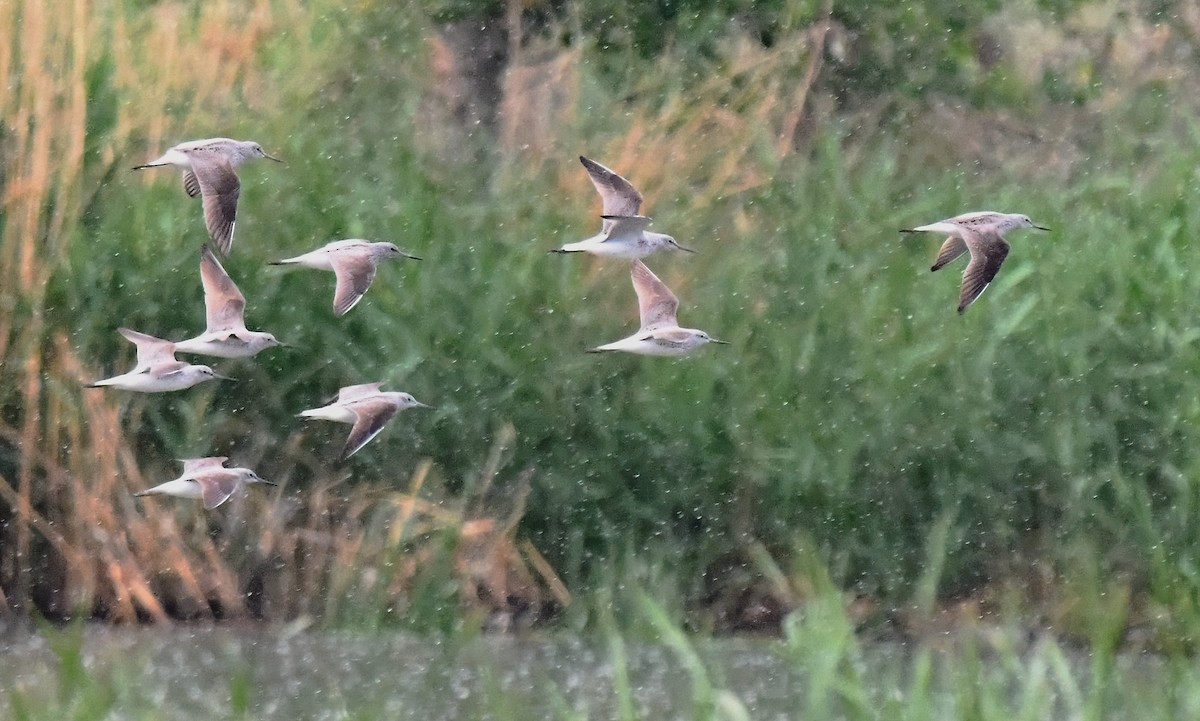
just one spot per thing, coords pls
(927, 460)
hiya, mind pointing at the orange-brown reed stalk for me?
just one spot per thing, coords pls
(73, 541)
(721, 134)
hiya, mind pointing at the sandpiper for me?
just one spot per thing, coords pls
(225, 334)
(207, 479)
(659, 333)
(353, 262)
(209, 170)
(623, 232)
(982, 234)
(368, 408)
(157, 370)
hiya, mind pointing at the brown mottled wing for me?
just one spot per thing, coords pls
(162, 370)
(216, 488)
(987, 255)
(657, 305)
(671, 337)
(373, 414)
(192, 466)
(618, 194)
(220, 188)
(951, 249)
(151, 351)
(619, 225)
(353, 393)
(224, 304)
(355, 271)
(191, 186)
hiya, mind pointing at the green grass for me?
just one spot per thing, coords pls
(921, 455)
(820, 668)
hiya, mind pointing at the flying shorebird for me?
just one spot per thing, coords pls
(225, 334)
(623, 233)
(353, 262)
(207, 479)
(209, 170)
(157, 369)
(982, 235)
(368, 408)
(659, 333)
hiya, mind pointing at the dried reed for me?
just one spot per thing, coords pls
(72, 539)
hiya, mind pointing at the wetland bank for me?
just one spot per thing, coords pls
(1024, 474)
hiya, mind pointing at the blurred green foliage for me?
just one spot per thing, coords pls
(853, 407)
(906, 47)
(820, 668)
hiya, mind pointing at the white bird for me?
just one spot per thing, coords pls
(367, 408)
(623, 233)
(206, 479)
(659, 333)
(982, 234)
(225, 334)
(157, 370)
(353, 263)
(209, 170)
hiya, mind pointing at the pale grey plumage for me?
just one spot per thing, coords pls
(659, 332)
(367, 408)
(225, 334)
(982, 235)
(206, 479)
(353, 263)
(623, 233)
(618, 196)
(157, 370)
(209, 170)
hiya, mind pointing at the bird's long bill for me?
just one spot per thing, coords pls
(719, 342)
(684, 249)
(224, 378)
(422, 405)
(1040, 227)
(272, 157)
(267, 483)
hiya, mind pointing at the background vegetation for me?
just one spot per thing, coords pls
(1038, 450)
(818, 668)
